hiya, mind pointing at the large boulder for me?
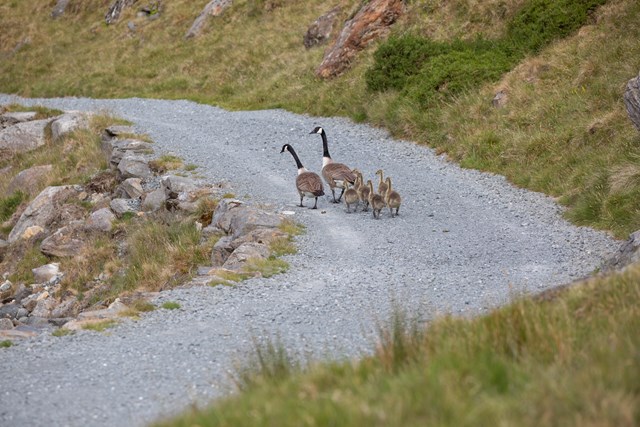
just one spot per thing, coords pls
(68, 122)
(320, 30)
(154, 200)
(131, 188)
(13, 117)
(213, 8)
(632, 100)
(30, 179)
(101, 220)
(236, 218)
(42, 211)
(68, 241)
(238, 259)
(132, 166)
(23, 137)
(370, 23)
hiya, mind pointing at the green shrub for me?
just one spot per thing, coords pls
(427, 70)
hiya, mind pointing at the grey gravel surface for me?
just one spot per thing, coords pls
(464, 242)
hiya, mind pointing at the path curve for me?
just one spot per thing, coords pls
(465, 242)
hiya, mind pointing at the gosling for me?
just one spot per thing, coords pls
(375, 200)
(392, 198)
(350, 197)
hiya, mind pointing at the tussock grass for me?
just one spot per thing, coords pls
(569, 360)
(171, 305)
(6, 343)
(165, 163)
(100, 326)
(266, 267)
(62, 332)
(8, 205)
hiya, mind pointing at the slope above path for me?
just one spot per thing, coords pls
(464, 242)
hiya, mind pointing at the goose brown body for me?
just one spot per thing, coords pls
(307, 183)
(382, 185)
(334, 173)
(392, 198)
(375, 200)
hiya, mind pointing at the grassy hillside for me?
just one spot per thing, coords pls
(564, 130)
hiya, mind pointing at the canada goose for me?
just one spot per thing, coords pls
(392, 198)
(363, 192)
(308, 183)
(382, 186)
(375, 200)
(351, 197)
(334, 173)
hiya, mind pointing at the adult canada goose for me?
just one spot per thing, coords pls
(308, 183)
(375, 200)
(351, 197)
(382, 186)
(363, 192)
(392, 198)
(336, 174)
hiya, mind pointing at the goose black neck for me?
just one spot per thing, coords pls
(325, 145)
(296, 158)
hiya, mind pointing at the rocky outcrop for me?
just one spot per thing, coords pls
(632, 100)
(59, 8)
(68, 122)
(11, 118)
(22, 137)
(212, 9)
(42, 211)
(67, 241)
(320, 30)
(628, 253)
(113, 14)
(30, 179)
(369, 24)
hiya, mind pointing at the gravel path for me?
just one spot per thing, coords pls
(465, 241)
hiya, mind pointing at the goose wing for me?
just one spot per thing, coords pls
(338, 172)
(310, 182)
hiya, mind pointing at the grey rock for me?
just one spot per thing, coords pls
(101, 220)
(21, 293)
(114, 310)
(212, 9)
(222, 215)
(221, 251)
(250, 218)
(11, 118)
(44, 307)
(320, 30)
(22, 312)
(117, 130)
(59, 8)
(30, 302)
(68, 122)
(238, 259)
(131, 188)
(176, 185)
(5, 286)
(500, 99)
(9, 310)
(4, 245)
(132, 166)
(154, 200)
(5, 324)
(67, 241)
(29, 179)
(116, 8)
(627, 254)
(23, 137)
(65, 309)
(122, 206)
(45, 272)
(632, 100)
(42, 210)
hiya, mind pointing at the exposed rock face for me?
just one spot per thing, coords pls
(65, 242)
(370, 23)
(28, 180)
(42, 210)
(22, 137)
(59, 8)
(68, 122)
(116, 9)
(632, 100)
(213, 8)
(320, 31)
(101, 220)
(628, 253)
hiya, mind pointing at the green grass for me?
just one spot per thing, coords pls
(266, 267)
(570, 360)
(171, 305)
(100, 326)
(8, 205)
(62, 332)
(6, 343)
